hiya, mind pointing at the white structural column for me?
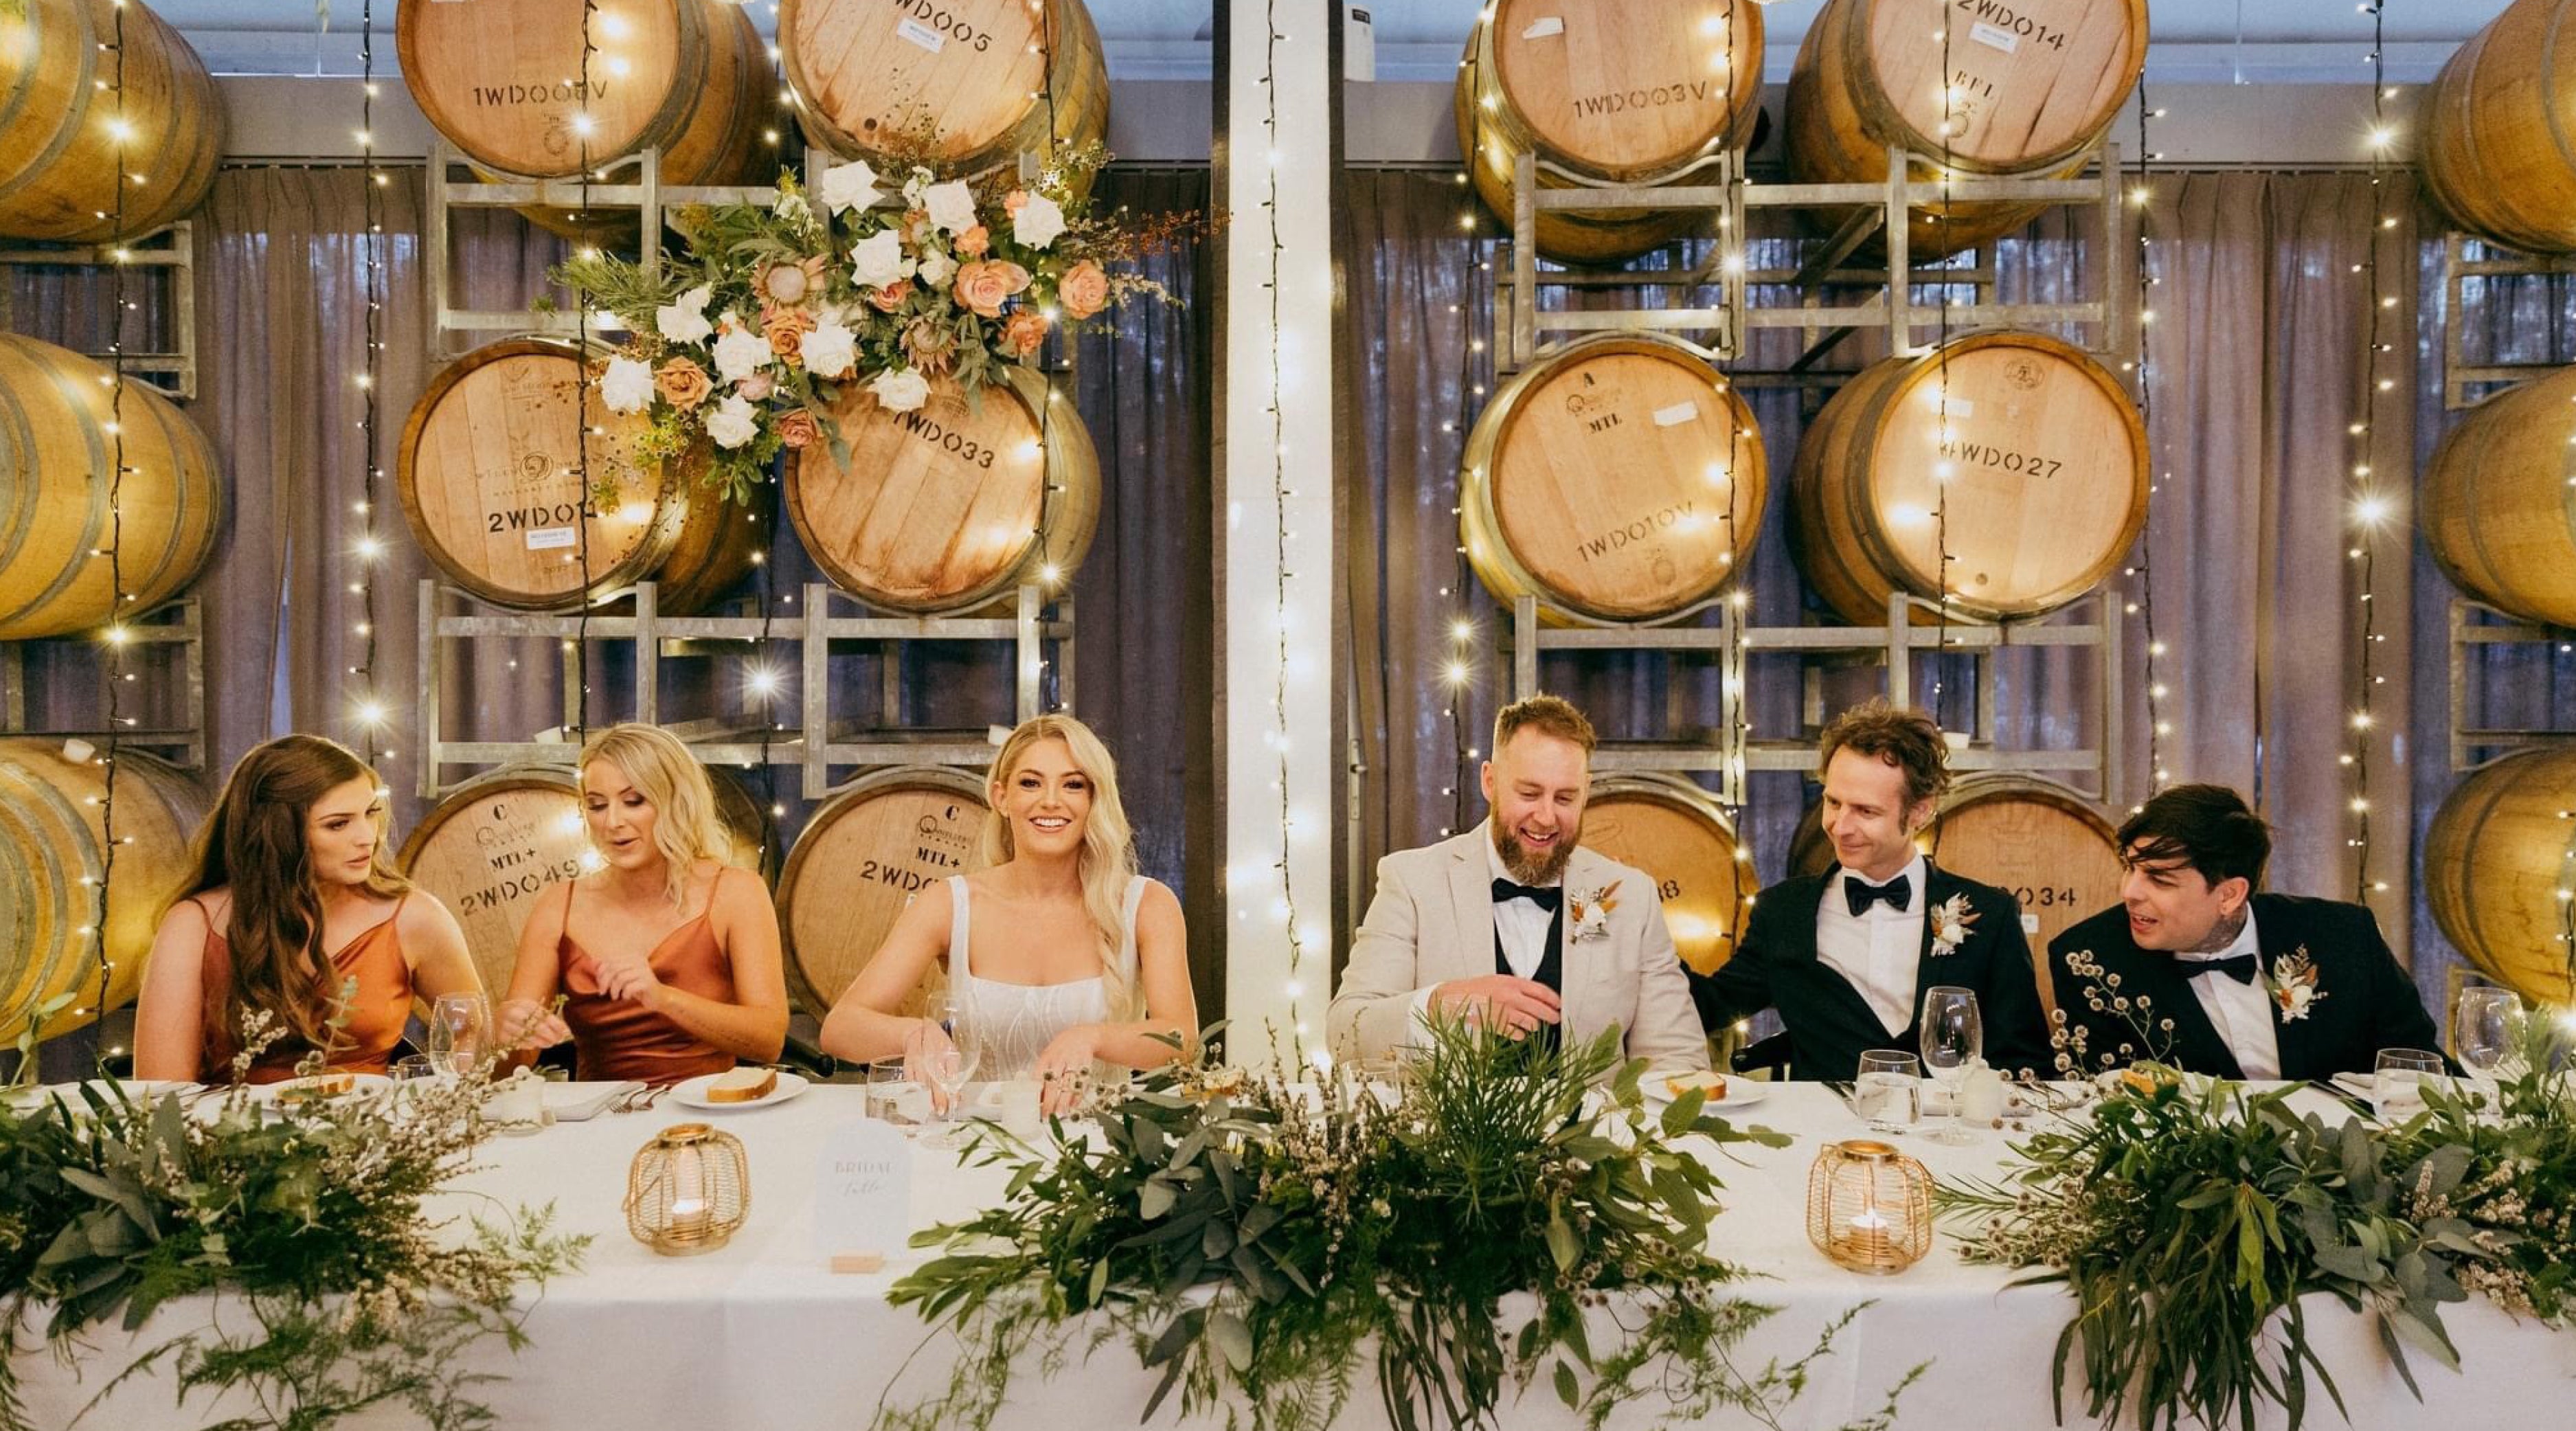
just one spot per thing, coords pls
(1278, 691)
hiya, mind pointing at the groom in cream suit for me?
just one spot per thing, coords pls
(1515, 923)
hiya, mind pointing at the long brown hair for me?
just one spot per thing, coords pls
(254, 843)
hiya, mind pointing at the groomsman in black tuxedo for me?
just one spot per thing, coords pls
(2232, 983)
(1846, 955)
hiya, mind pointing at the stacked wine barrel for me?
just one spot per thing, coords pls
(499, 842)
(58, 444)
(53, 850)
(2497, 149)
(1620, 480)
(69, 141)
(1608, 92)
(1682, 838)
(2030, 89)
(2498, 501)
(2499, 868)
(889, 838)
(2014, 453)
(965, 85)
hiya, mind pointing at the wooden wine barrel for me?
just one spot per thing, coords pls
(2032, 86)
(51, 842)
(940, 508)
(2498, 501)
(2499, 860)
(501, 840)
(1605, 480)
(2047, 488)
(56, 455)
(2499, 129)
(1624, 92)
(489, 482)
(2035, 839)
(61, 157)
(502, 80)
(965, 85)
(867, 851)
(1676, 832)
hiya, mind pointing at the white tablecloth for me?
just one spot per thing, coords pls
(760, 1333)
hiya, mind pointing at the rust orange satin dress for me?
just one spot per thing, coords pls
(377, 1012)
(622, 1039)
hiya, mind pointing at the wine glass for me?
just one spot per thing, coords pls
(949, 1070)
(2397, 1084)
(460, 1030)
(1953, 1035)
(1886, 1091)
(2483, 1025)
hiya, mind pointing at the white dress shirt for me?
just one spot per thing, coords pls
(2242, 1013)
(1519, 923)
(1879, 951)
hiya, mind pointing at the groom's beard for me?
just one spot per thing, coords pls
(1532, 867)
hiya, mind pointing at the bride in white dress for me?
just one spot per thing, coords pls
(1060, 954)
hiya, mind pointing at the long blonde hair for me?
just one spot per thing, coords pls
(1108, 859)
(684, 802)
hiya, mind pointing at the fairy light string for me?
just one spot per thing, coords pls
(121, 132)
(2371, 508)
(585, 500)
(368, 707)
(1457, 669)
(1281, 492)
(2141, 194)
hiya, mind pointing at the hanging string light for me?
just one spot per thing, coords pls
(2142, 194)
(2371, 507)
(1457, 667)
(1281, 493)
(365, 704)
(118, 636)
(1944, 465)
(583, 125)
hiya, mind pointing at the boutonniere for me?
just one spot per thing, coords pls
(1951, 921)
(2293, 985)
(1588, 914)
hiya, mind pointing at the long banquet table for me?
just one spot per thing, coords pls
(761, 1333)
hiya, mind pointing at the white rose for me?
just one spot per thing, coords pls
(829, 351)
(731, 424)
(899, 389)
(740, 353)
(1039, 221)
(684, 319)
(849, 186)
(628, 385)
(936, 269)
(878, 260)
(913, 187)
(951, 205)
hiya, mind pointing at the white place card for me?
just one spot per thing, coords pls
(863, 1191)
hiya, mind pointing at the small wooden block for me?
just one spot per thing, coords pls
(858, 1262)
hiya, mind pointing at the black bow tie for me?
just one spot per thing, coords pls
(1897, 892)
(1546, 898)
(2239, 967)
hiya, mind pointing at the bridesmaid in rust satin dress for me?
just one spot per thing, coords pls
(667, 958)
(291, 914)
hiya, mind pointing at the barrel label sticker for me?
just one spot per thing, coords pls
(550, 538)
(1993, 38)
(1999, 26)
(1953, 406)
(931, 25)
(1676, 415)
(2030, 924)
(1619, 538)
(1544, 26)
(922, 35)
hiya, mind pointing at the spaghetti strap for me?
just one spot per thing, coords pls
(958, 907)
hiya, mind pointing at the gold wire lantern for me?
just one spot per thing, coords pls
(688, 1190)
(1869, 1207)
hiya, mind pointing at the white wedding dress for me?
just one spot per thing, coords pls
(1011, 1024)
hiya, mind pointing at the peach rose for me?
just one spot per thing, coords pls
(891, 296)
(785, 328)
(1015, 201)
(683, 384)
(1021, 336)
(1084, 289)
(974, 241)
(796, 427)
(985, 286)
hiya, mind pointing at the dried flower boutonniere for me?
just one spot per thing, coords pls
(1951, 921)
(1588, 915)
(2293, 985)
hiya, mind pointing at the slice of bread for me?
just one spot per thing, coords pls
(316, 1088)
(742, 1085)
(1714, 1085)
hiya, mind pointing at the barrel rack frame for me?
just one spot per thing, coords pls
(2474, 625)
(1524, 332)
(173, 248)
(2465, 383)
(176, 625)
(1036, 638)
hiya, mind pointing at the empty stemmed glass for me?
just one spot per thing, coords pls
(460, 1028)
(948, 1070)
(2483, 1026)
(1953, 1036)
(2397, 1083)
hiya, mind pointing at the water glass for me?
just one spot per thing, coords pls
(883, 1086)
(1953, 1037)
(2483, 1026)
(2397, 1087)
(1889, 1089)
(460, 1031)
(949, 1070)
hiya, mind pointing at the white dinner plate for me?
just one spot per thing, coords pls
(1740, 1092)
(693, 1092)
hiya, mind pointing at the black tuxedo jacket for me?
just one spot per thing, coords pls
(2365, 1001)
(1830, 1025)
